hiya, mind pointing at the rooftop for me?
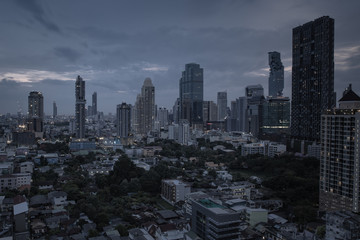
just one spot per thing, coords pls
(209, 204)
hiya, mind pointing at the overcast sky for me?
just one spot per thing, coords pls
(115, 45)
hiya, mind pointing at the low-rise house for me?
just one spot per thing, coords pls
(139, 234)
(342, 225)
(38, 228)
(215, 166)
(240, 189)
(39, 201)
(224, 175)
(169, 232)
(51, 158)
(26, 167)
(58, 199)
(6, 168)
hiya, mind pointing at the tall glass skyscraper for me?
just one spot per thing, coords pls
(276, 78)
(192, 94)
(80, 103)
(222, 105)
(94, 104)
(312, 77)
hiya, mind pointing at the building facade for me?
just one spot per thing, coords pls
(54, 110)
(80, 103)
(145, 108)
(276, 77)
(275, 116)
(312, 77)
(174, 191)
(210, 111)
(94, 104)
(192, 94)
(222, 105)
(35, 113)
(339, 161)
(212, 221)
(123, 120)
(36, 105)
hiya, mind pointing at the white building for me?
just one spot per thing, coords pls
(266, 148)
(174, 191)
(253, 148)
(276, 149)
(15, 181)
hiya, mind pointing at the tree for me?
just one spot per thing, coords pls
(122, 230)
(93, 233)
(212, 173)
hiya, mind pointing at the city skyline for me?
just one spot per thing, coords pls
(45, 47)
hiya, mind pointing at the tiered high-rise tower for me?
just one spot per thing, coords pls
(276, 77)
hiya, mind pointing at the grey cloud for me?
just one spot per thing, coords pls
(38, 14)
(67, 53)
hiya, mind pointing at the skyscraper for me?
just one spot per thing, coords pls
(276, 78)
(35, 113)
(312, 77)
(36, 104)
(192, 94)
(163, 117)
(275, 116)
(145, 108)
(210, 111)
(80, 107)
(54, 109)
(340, 161)
(94, 104)
(123, 120)
(222, 105)
(255, 97)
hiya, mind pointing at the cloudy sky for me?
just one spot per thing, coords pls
(115, 45)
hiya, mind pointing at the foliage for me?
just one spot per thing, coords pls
(122, 230)
(93, 233)
(321, 231)
(60, 147)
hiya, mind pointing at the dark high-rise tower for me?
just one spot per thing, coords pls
(276, 78)
(192, 94)
(36, 112)
(123, 120)
(80, 107)
(94, 104)
(312, 77)
(54, 109)
(36, 105)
